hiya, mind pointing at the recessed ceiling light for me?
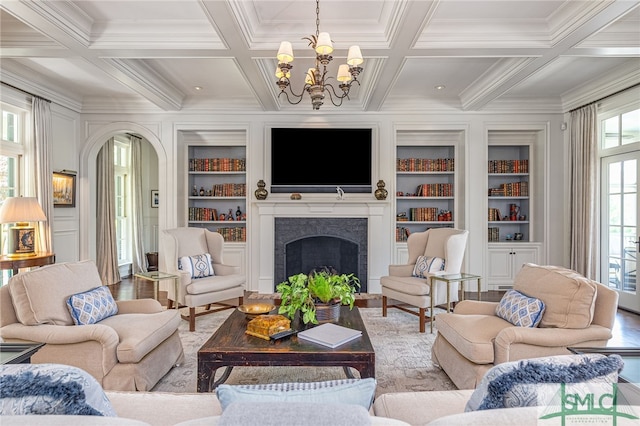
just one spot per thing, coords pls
(197, 87)
(440, 87)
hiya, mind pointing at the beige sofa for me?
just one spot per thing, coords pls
(472, 339)
(131, 350)
(436, 408)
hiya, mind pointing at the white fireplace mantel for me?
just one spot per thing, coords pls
(377, 212)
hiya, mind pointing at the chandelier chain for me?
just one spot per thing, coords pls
(317, 18)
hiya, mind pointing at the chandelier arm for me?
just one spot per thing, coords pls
(331, 96)
(289, 100)
(289, 86)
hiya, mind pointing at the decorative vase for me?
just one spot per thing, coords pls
(327, 312)
(261, 193)
(381, 193)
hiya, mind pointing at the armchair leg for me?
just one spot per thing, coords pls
(192, 319)
(169, 304)
(384, 306)
(421, 316)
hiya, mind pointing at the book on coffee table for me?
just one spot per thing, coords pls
(329, 334)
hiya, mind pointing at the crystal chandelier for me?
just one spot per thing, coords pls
(316, 80)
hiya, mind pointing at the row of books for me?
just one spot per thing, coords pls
(211, 214)
(512, 189)
(494, 234)
(435, 190)
(238, 234)
(425, 165)
(494, 214)
(229, 190)
(217, 164)
(423, 214)
(508, 166)
(402, 233)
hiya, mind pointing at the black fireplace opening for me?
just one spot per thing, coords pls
(304, 245)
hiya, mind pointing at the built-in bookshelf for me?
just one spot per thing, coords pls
(508, 193)
(425, 186)
(217, 186)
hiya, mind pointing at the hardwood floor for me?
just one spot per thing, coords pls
(626, 331)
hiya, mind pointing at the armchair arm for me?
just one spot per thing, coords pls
(544, 338)
(62, 334)
(401, 270)
(138, 306)
(475, 307)
(224, 269)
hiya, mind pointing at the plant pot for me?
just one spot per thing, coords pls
(327, 312)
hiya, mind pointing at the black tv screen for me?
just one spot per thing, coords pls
(319, 160)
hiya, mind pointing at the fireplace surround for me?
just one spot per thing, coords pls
(304, 244)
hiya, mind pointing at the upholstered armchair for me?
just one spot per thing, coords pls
(410, 287)
(576, 311)
(201, 282)
(131, 349)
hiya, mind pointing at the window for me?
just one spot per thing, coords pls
(620, 203)
(122, 172)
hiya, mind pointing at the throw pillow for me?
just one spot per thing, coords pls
(92, 306)
(293, 413)
(198, 266)
(347, 391)
(426, 264)
(520, 309)
(517, 383)
(27, 389)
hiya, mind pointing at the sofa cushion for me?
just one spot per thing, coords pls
(517, 383)
(520, 310)
(407, 285)
(426, 265)
(471, 335)
(347, 391)
(569, 297)
(92, 306)
(50, 389)
(40, 296)
(198, 266)
(149, 332)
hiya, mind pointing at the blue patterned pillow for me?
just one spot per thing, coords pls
(520, 310)
(92, 306)
(198, 266)
(425, 265)
(345, 391)
(46, 389)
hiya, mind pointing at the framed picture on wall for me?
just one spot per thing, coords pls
(64, 189)
(155, 201)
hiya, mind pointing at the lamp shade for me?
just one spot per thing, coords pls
(343, 73)
(285, 53)
(21, 209)
(324, 45)
(354, 58)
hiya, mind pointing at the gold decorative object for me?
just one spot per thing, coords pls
(381, 193)
(296, 196)
(254, 309)
(261, 192)
(264, 326)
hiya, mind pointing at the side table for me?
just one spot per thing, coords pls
(156, 277)
(18, 353)
(15, 263)
(448, 279)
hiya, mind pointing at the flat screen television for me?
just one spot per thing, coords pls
(314, 160)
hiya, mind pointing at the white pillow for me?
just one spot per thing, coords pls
(426, 265)
(198, 266)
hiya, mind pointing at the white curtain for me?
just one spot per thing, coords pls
(583, 214)
(137, 196)
(107, 249)
(39, 167)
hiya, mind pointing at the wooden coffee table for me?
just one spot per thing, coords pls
(231, 347)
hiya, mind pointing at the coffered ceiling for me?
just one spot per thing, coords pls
(149, 56)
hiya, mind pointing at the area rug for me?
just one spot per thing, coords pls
(403, 358)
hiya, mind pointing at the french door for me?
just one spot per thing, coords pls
(621, 206)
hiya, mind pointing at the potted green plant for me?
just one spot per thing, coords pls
(308, 293)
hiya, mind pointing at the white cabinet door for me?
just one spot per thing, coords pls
(505, 262)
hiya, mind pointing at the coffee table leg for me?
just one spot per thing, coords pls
(347, 371)
(206, 379)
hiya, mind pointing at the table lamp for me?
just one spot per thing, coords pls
(20, 211)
